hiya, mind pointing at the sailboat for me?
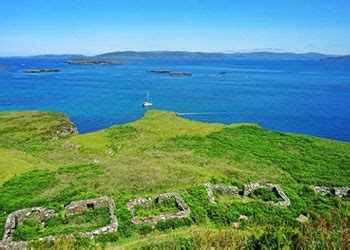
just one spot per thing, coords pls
(147, 103)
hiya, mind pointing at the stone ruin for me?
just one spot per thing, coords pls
(184, 210)
(213, 188)
(337, 191)
(78, 207)
(70, 146)
(250, 188)
(16, 218)
(42, 214)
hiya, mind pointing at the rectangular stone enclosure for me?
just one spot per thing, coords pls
(184, 210)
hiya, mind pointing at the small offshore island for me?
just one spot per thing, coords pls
(95, 62)
(36, 71)
(170, 72)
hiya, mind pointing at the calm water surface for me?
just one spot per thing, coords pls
(307, 97)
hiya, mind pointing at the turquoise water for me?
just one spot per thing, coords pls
(308, 97)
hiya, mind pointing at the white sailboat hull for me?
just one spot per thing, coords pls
(147, 104)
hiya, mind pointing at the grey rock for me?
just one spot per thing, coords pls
(302, 219)
(243, 217)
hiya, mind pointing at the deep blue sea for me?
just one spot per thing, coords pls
(309, 97)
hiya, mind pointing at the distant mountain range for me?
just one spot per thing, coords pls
(63, 56)
(203, 55)
(184, 55)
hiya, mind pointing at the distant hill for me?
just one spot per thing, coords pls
(337, 58)
(63, 56)
(203, 55)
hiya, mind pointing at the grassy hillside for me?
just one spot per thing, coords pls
(161, 153)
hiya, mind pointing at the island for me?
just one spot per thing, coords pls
(160, 71)
(95, 62)
(337, 58)
(170, 72)
(180, 74)
(36, 71)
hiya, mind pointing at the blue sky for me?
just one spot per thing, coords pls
(92, 27)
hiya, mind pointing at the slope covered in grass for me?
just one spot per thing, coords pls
(162, 152)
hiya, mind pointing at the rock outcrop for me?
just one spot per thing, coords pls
(66, 130)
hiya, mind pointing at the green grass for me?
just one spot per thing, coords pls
(162, 152)
(266, 195)
(15, 162)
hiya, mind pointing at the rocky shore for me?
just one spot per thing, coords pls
(36, 71)
(170, 72)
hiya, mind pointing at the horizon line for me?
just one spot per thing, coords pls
(174, 51)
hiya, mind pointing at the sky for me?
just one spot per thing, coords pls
(32, 27)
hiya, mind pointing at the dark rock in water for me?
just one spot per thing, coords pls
(169, 72)
(95, 62)
(35, 71)
(222, 73)
(160, 71)
(180, 74)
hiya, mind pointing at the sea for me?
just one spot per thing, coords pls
(308, 97)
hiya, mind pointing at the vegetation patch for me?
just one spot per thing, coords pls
(306, 159)
(161, 153)
(30, 130)
(265, 195)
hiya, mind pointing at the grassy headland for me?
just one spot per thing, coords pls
(161, 153)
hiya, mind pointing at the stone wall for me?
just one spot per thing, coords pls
(41, 214)
(213, 188)
(338, 191)
(184, 210)
(78, 207)
(16, 218)
(249, 188)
